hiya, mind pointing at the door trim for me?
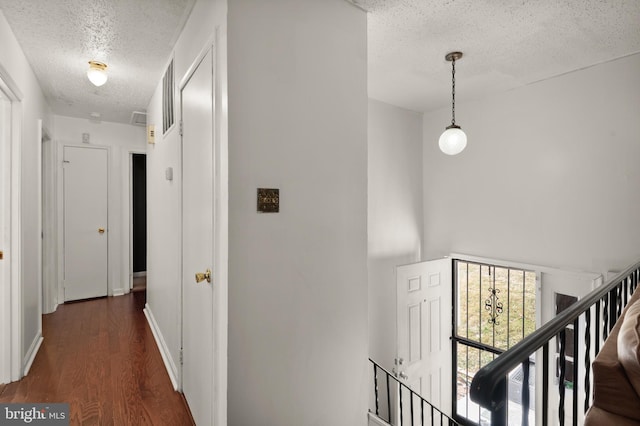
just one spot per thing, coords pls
(11, 300)
(49, 225)
(127, 222)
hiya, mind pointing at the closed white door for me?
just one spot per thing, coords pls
(197, 241)
(85, 222)
(424, 330)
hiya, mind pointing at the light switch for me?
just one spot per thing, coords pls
(151, 134)
(168, 173)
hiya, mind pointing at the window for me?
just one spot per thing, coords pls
(494, 309)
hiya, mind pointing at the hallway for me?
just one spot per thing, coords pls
(101, 358)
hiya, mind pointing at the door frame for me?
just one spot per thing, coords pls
(49, 223)
(220, 226)
(127, 222)
(60, 210)
(11, 300)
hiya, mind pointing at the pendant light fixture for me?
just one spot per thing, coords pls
(453, 140)
(97, 73)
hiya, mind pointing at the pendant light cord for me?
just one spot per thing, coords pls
(453, 92)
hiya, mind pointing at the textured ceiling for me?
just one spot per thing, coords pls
(133, 37)
(506, 44)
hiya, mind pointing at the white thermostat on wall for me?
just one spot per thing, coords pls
(168, 173)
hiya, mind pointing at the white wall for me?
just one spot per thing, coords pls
(34, 107)
(298, 279)
(395, 220)
(121, 139)
(206, 25)
(550, 175)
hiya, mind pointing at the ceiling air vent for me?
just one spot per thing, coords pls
(139, 118)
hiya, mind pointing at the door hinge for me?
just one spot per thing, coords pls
(180, 127)
(181, 357)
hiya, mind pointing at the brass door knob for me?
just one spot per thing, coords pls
(101, 230)
(201, 276)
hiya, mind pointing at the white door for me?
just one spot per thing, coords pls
(86, 234)
(424, 330)
(198, 240)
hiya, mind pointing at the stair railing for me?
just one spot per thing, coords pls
(411, 408)
(606, 303)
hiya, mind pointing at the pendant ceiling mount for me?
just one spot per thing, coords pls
(453, 56)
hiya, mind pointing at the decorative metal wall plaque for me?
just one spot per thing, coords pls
(268, 200)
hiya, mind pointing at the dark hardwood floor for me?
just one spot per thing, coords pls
(101, 358)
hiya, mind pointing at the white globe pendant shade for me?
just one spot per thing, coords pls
(453, 140)
(97, 73)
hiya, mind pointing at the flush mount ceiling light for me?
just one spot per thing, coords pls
(453, 140)
(97, 73)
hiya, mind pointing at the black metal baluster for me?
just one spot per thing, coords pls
(625, 290)
(411, 405)
(375, 387)
(605, 318)
(576, 342)
(525, 393)
(400, 392)
(545, 384)
(561, 379)
(432, 415)
(388, 399)
(587, 358)
(597, 330)
(422, 412)
(618, 302)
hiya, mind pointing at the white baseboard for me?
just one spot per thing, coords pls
(140, 274)
(118, 292)
(31, 353)
(53, 309)
(376, 421)
(170, 366)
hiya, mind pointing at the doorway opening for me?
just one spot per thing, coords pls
(138, 222)
(494, 308)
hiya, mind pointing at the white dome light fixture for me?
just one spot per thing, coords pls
(97, 73)
(453, 140)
